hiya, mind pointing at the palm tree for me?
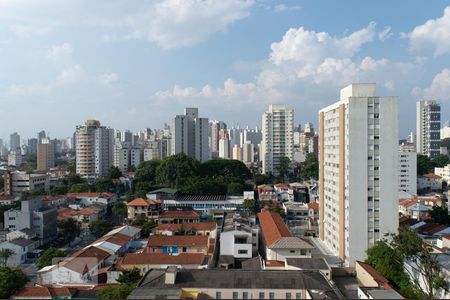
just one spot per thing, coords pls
(5, 254)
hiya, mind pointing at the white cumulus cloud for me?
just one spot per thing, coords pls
(60, 53)
(433, 35)
(439, 88)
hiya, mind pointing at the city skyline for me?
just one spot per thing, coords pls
(122, 64)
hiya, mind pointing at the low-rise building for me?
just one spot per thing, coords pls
(16, 183)
(87, 199)
(145, 262)
(32, 215)
(278, 244)
(44, 292)
(195, 228)
(234, 284)
(239, 237)
(144, 208)
(179, 216)
(202, 203)
(20, 248)
(444, 172)
(429, 182)
(178, 244)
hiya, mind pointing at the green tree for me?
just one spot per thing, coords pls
(284, 165)
(120, 291)
(104, 185)
(441, 160)
(46, 259)
(100, 227)
(424, 164)
(120, 209)
(69, 229)
(5, 254)
(250, 204)
(176, 169)
(146, 171)
(147, 228)
(198, 185)
(80, 188)
(235, 188)
(224, 167)
(131, 276)
(138, 221)
(60, 189)
(386, 260)
(114, 173)
(11, 281)
(440, 215)
(310, 167)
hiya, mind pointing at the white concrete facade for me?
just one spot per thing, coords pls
(428, 127)
(407, 172)
(190, 135)
(443, 172)
(358, 171)
(277, 138)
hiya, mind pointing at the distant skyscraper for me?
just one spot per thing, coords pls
(190, 135)
(45, 155)
(358, 171)
(94, 149)
(215, 127)
(32, 146)
(428, 128)
(14, 142)
(41, 135)
(277, 138)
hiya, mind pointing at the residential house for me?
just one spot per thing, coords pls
(178, 244)
(429, 182)
(87, 199)
(419, 211)
(178, 216)
(8, 200)
(239, 237)
(145, 262)
(277, 242)
(266, 193)
(20, 247)
(78, 269)
(44, 292)
(196, 228)
(372, 285)
(145, 208)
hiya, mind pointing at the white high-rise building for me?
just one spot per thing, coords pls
(358, 171)
(428, 128)
(215, 127)
(190, 135)
(15, 158)
(277, 138)
(94, 149)
(248, 153)
(224, 148)
(407, 171)
(445, 131)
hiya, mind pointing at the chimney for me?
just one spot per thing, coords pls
(171, 275)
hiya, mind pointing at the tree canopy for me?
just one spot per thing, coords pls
(69, 229)
(310, 167)
(11, 281)
(46, 259)
(175, 170)
(100, 227)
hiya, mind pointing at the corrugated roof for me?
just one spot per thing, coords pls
(161, 259)
(177, 240)
(196, 226)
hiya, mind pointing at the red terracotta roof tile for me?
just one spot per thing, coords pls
(161, 259)
(273, 227)
(177, 240)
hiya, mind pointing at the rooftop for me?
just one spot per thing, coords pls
(143, 202)
(308, 263)
(178, 240)
(162, 259)
(239, 279)
(201, 197)
(179, 214)
(195, 226)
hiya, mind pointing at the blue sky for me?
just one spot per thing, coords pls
(134, 64)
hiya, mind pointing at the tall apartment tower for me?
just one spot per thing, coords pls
(428, 128)
(215, 127)
(14, 142)
(45, 155)
(277, 138)
(358, 171)
(190, 135)
(94, 149)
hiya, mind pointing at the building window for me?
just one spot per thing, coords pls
(291, 251)
(288, 296)
(218, 295)
(261, 295)
(235, 295)
(242, 251)
(245, 295)
(271, 295)
(298, 296)
(184, 249)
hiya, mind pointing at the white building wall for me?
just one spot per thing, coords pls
(407, 172)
